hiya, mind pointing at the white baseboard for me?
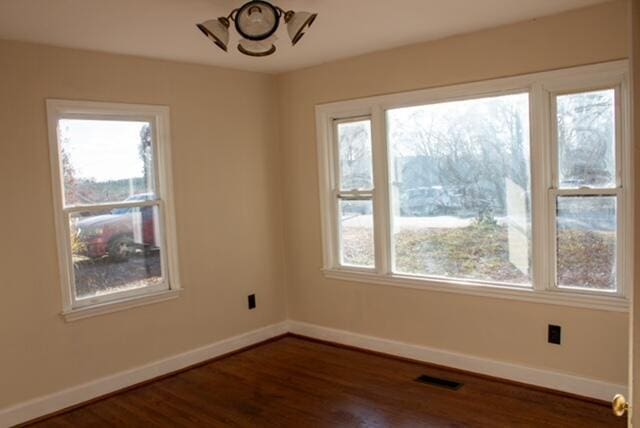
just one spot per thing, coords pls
(69, 397)
(533, 376)
(78, 394)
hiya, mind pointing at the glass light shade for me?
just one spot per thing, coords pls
(257, 20)
(297, 22)
(217, 30)
(257, 48)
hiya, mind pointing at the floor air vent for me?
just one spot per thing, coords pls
(439, 382)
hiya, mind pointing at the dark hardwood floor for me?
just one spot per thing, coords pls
(293, 382)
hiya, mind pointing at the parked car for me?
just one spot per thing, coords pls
(113, 234)
(434, 200)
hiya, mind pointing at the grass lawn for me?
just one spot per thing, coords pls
(481, 252)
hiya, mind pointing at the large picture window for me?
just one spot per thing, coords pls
(113, 203)
(460, 189)
(512, 188)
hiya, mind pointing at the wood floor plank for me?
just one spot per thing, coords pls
(294, 382)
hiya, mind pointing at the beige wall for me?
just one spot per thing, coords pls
(225, 164)
(595, 342)
(240, 179)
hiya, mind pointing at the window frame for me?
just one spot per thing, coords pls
(349, 195)
(503, 91)
(158, 117)
(540, 87)
(617, 191)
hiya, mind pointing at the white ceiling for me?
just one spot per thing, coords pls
(166, 28)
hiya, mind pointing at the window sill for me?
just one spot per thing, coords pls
(563, 298)
(118, 305)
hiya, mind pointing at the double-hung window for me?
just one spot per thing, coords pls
(513, 188)
(354, 192)
(113, 205)
(586, 194)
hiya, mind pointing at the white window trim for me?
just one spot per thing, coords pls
(342, 195)
(618, 191)
(541, 87)
(170, 288)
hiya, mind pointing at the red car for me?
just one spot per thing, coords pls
(119, 234)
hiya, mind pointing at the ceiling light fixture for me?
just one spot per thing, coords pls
(257, 22)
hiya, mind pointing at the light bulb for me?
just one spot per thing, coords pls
(255, 15)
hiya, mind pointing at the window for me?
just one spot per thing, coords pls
(355, 192)
(586, 190)
(112, 191)
(460, 189)
(511, 188)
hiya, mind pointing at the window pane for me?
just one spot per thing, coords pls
(356, 233)
(586, 242)
(586, 139)
(355, 155)
(115, 250)
(105, 161)
(461, 189)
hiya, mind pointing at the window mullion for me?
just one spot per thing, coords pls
(381, 206)
(541, 182)
(552, 236)
(626, 196)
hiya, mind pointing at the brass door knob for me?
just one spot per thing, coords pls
(619, 405)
